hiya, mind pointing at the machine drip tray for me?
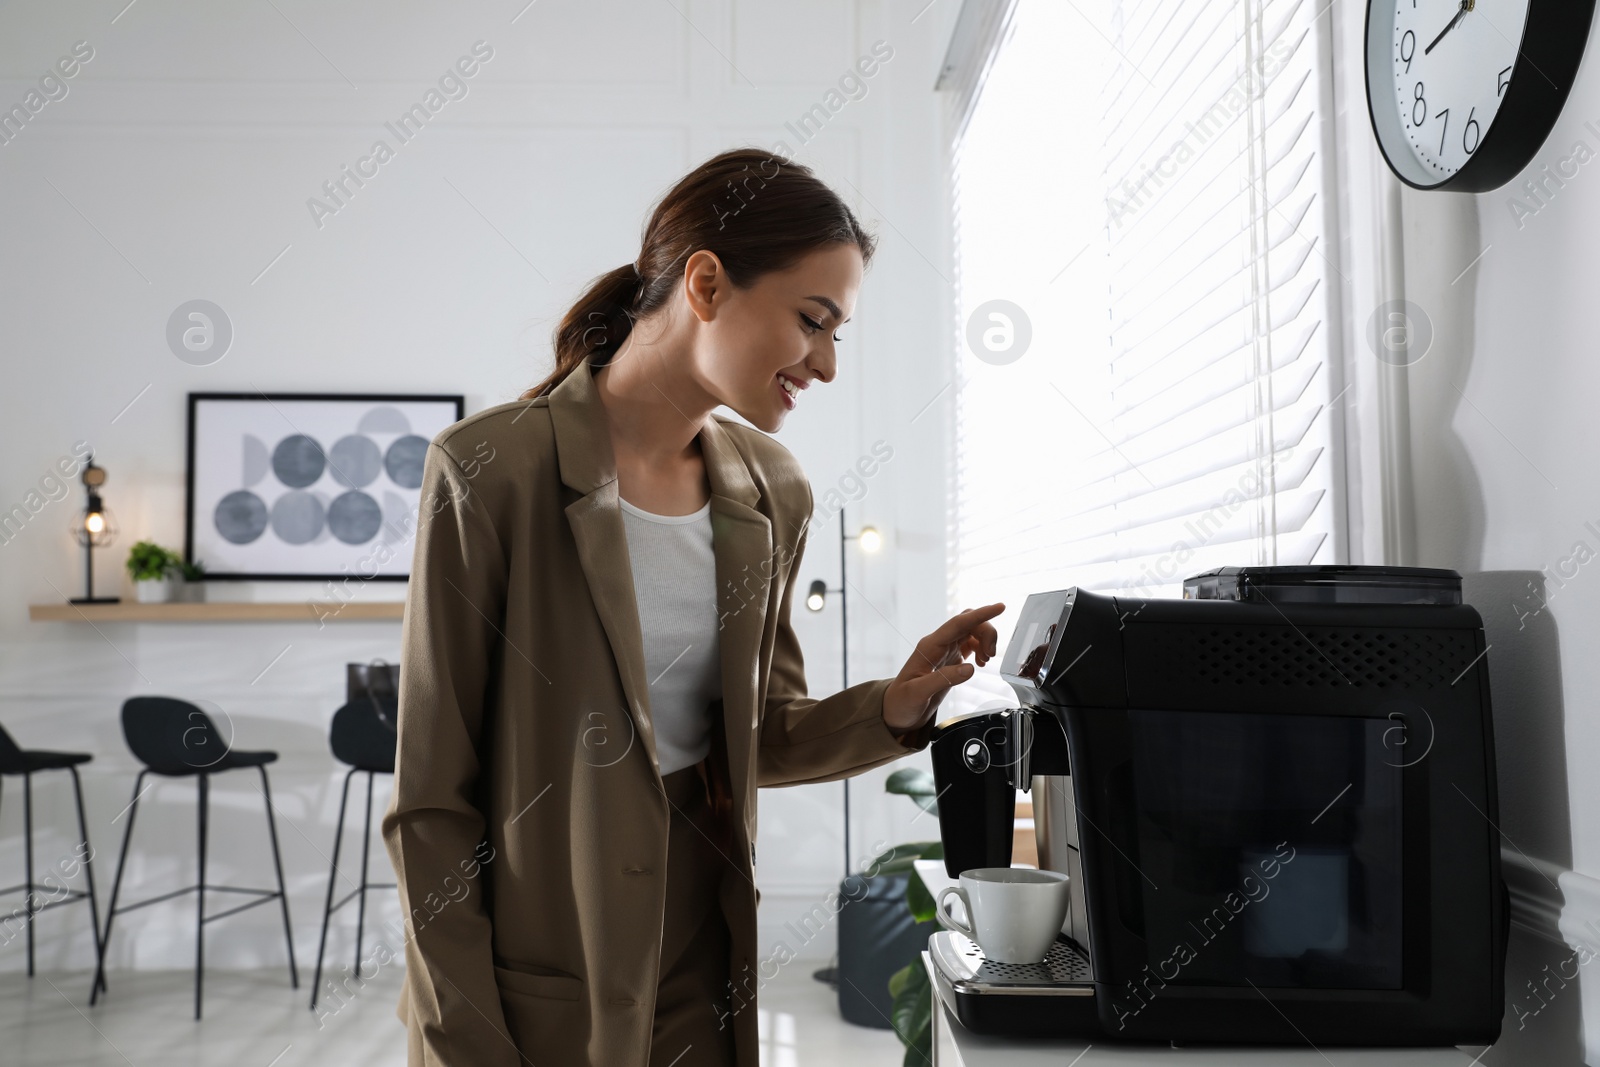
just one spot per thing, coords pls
(1054, 998)
(1064, 972)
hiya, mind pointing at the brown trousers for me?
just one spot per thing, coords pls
(691, 1028)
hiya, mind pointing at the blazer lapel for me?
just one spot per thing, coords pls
(588, 466)
(741, 542)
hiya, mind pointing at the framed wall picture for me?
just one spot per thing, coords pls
(308, 486)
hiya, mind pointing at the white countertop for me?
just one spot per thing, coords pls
(985, 1050)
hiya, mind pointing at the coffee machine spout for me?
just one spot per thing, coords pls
(1038, 742)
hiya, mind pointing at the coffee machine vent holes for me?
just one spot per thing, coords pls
(1269, 655)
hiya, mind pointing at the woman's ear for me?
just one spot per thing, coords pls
(705, 284)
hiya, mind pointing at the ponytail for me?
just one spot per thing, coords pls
(757, 212)
(599, 322)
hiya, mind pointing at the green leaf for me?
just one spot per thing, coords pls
(911, 781)
(919, 900)
(897, 980)
(917, 784)
(912, 1013)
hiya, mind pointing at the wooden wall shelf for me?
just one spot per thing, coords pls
(218, 611)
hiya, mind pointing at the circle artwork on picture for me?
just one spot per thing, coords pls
(241, 517)
(404, 460)
(384, 419)
(298, 461)
(297, 517)
(355, 461)
(354, 517)
(255, 460)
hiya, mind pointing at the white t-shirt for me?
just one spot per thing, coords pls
(675, 582)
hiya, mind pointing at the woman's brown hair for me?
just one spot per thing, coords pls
(758, 212)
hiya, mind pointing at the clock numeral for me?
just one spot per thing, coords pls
(1408, 48)
(1418, 102)
(1445, 115)
(1504, 81)
(1472, 128)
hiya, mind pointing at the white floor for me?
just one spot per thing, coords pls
(253, 1019)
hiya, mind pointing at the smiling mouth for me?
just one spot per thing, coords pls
(791, 390)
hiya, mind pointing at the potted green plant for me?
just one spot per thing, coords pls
(912, 1014)
(151, 567)
(192, 586)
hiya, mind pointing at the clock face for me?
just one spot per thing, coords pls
(1452, 64)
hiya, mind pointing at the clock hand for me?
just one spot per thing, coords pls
(1466, 5)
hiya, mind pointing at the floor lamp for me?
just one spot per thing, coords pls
(816, 598)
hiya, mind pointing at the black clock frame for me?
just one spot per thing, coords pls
(1552, 45)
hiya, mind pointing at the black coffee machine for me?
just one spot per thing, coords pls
(1275, 801)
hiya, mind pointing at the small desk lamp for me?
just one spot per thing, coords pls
(95, 528)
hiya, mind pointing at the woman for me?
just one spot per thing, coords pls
(597, 665)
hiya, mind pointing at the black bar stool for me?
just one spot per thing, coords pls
(28, 762)
(176, 739)
(363, 736)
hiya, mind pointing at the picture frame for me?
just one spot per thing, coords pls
(308, 486)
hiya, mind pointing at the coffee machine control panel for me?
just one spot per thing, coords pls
(1034, 643)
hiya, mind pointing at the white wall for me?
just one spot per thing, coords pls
(1499, 421)
(179, 165)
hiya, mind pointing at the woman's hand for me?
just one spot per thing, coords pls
(936, 665)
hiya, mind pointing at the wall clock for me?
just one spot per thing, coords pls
(1463, 92)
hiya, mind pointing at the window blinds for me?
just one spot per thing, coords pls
(1144, 181)
(980, 27)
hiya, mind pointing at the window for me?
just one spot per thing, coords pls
(1140, 211)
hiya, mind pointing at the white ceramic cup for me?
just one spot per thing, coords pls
(1014, 912)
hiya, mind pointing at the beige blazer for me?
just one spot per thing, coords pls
(528, 827)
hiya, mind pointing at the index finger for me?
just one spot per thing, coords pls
(958, 626)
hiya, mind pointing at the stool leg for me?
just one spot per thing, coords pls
(88, 865)
(333, 877)
(361, 893)
(200, 894)
(27, 853)
(283, 895)
(116, 885)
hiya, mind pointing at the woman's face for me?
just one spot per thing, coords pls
(781, 328)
